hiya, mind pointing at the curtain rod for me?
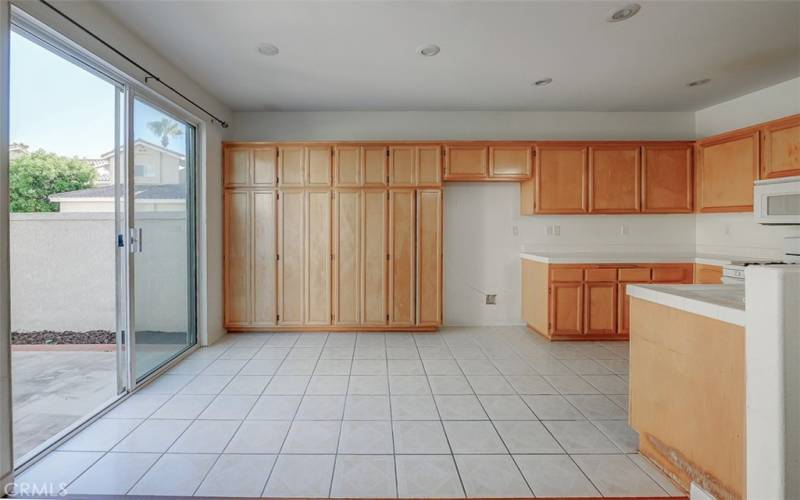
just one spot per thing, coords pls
(150, 74)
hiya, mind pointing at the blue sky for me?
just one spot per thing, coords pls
(60, 107)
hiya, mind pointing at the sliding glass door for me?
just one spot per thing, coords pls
(161, 180)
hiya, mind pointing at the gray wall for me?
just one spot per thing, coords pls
(63, 272)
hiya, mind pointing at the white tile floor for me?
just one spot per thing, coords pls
(477, 412)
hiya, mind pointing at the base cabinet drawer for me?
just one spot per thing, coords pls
(673, 274)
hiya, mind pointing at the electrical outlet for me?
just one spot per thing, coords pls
(624, 229)
(548, 231)
(557, 230)
(491, 299)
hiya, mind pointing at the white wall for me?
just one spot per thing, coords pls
(93, 17)
(738, 233)
(481, 251)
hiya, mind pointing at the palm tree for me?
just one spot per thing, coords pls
(166, 129)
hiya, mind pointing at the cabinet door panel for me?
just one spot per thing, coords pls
(237, 166)
(318, 170)
(291, 257)
(401, 261)
(705, 274)
(561, 180)
(375, 160)
(601, 308)
(264, 258)
(429, 257)
(673, 274)
(237, 257)
(264, 166)
(614, 179)
(624, 306)
(728, 167)
(781, 155)
(318, 258)
(510, 162)
(402, 164)
(347, 257)
(667, 181)
(429, 166)
(566, 309)
(467, 162)
(375, 221)
(348, 166)
(291, 166)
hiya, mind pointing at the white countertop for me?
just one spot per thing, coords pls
(631, 258)
(720, 302)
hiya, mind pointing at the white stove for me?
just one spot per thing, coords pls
(733, 273)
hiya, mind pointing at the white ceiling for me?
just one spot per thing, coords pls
(362, 55)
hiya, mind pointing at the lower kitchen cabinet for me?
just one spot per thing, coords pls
(706, 274)
(587, 302)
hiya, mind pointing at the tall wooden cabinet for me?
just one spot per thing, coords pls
(333, 237)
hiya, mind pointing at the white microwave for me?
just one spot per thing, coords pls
(777, 201)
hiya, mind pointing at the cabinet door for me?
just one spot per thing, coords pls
(401, 257)
(667, 179)
(291, 166)
(264, 159)
(510, 162)
(429, 257)
(236, 172)
(781, 151)
(728, 167)
(429, 166)
(705, 274)
(347, 256)
(561, 180)
(624, 313)
(291, 257)
(237, 257)
(264, 287)
(318, 168)
(318, 257)
(375, 165)
(402, 165)
(347, 171)
(601, 308)
(466, 162)
(375, 250)
(566, 309)
(676, 273)
(614, 182)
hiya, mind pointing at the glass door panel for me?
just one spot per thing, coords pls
(161, 180)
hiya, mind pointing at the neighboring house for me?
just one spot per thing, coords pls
(148, 198)
(159, 176)
(16, 150)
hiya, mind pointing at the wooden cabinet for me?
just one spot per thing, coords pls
(375, 253)
(466, 162)
(238, 262)
(614, 179)
(705, 274)
(402, 261)
(667, 178)
(781, 148)
(263, 271)
(415, 166)
(429, 257)
(628, 276)
(291, 257)
(318, 166)
(300, 166)
(601, 308)
(347, 248)
(727, 167)
(510, 162)
(428, 166)
(566, 309)
(318, 257)
(250, 166)
(673, 273)
(348, 166)
(561, 179)
(375, 161)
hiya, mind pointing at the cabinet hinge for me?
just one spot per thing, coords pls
(278, 318)
(387, 180)
(277, 196)
(278, 257)
(387, 256)
(277, 180)
(387, 153)
(387, 317)
(279, 153)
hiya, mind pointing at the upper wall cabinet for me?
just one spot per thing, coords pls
(614, 178)
(781, 148)
(561, 179)
(727, 167)
(357, 166)
(411, 166)
(494, 162)
(667, 180)
(300, 166)
(250, 166)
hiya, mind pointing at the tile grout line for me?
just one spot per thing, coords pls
(344, 409)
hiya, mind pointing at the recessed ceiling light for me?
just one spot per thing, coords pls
(268, 49)
(697, 83)
(429, 50)
(543, 82)
(624, 13)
